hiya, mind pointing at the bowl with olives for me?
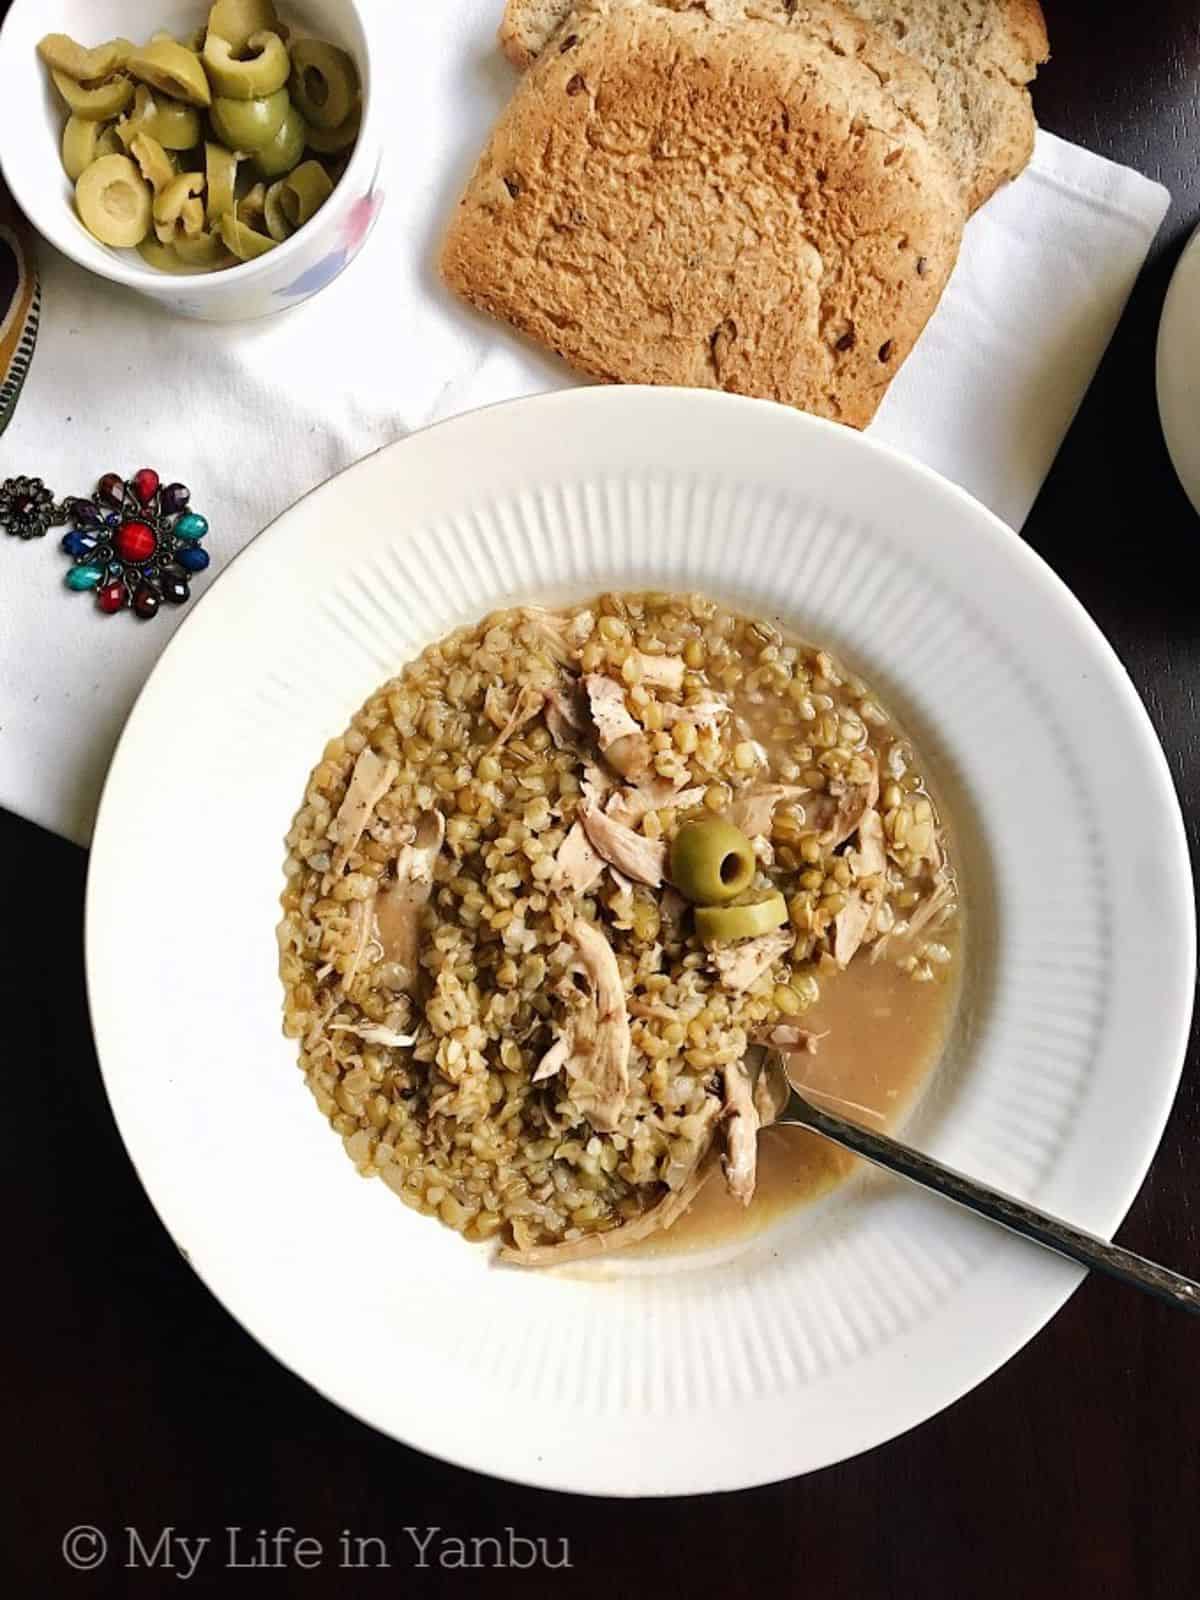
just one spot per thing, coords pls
(219, 158)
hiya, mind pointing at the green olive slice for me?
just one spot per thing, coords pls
(251, 208)
(242, 241)
(175, 126)
(114, 203)
(248, 125)
(304, 192)
(723, 924)
(261, 73)
(324, 82)
(220, 172)
(203, 250)
(284, 150)
(160, 256)
(61, 53)
(274, 216)
(96, 104)
(173, 70)
(236, 21)
(328, 141)
(171, 200)
(712, 862)
(155, 164)
(82, 143)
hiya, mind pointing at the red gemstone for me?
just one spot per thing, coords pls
(135, 541)
(111, 597)
(112, 488)
(145, 484)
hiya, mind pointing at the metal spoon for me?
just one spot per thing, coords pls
(1051, 1232)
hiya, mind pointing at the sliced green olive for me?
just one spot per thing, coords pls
(175, 126)
(261, 73)
(96, 104)
(171, 200)
(242, 241)
(274, 216)
(203, 251)
(305, 191)
(249, 124)
(284, 150)
(114, 203)
(236, 21)
(251, 208)
(723, 924)
(60, 52)
(172, 70)
(84, 142)
(324, 82)
(220, 171)
(156, 165)
(327, 141)
(712, 862)
(161, 256)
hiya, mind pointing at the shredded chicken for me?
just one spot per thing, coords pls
(754, 811)
(870, 858)
(363, 919)
(740, 1164)
(639, 858)
(674, 1204)
(398, 907)
(526, 706)
(939, 897)
(608, 1066)
(611, 715)
(850, 927)
(740, 966)
(556, 1057)
(566, 713)
(563, 637)
(577, 867)
(375, 1033)
(661, 672)
(629, 806)
(369, 782)
(704, 714)
(787, 1036)
(852, 806)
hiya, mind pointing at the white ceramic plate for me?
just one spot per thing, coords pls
(841, 1326)
(1179, 369)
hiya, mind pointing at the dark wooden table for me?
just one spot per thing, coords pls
(132, 1399)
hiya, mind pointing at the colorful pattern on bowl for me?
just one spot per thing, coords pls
(356, 225)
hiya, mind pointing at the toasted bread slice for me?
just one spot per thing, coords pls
(671, 200)
(981, 55)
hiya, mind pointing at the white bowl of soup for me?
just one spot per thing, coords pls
(546, 1062)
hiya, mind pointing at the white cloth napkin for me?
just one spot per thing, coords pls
(253, 415)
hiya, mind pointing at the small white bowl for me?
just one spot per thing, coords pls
(31, 122)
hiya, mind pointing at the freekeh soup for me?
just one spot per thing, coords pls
(565, 881)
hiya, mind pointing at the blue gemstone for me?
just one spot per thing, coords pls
(191, 558)
(190, 526)
(78, 544)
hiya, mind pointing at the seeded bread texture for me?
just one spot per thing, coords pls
(981, 55)
(670, 200)
(528, 25)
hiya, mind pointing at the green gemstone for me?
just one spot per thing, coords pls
(191, 526)
(84, 577)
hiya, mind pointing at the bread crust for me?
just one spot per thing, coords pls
(671, 200)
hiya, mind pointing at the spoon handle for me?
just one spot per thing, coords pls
(1043, 1229)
